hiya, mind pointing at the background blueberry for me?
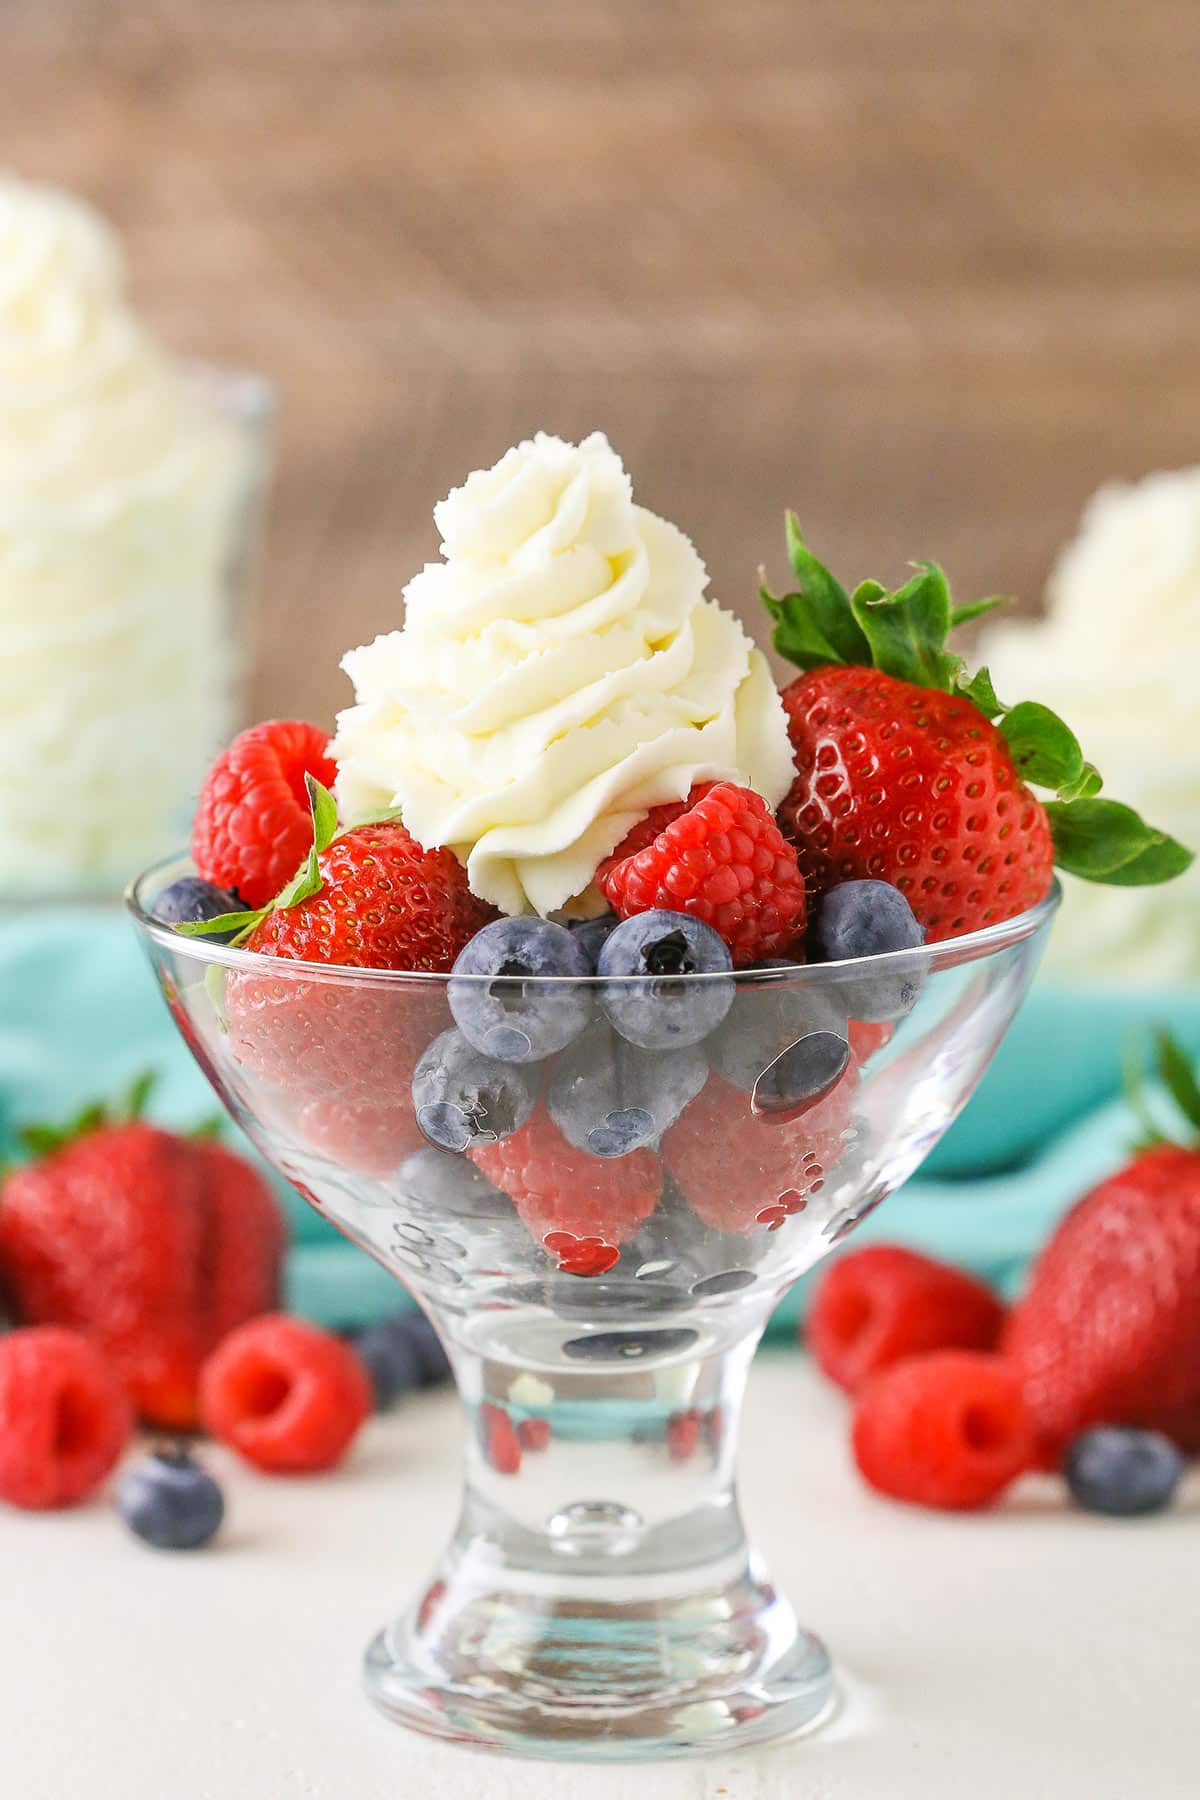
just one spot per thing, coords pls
(665, 1014)
(169, 1501)
(1122, 1472)
(504, 1016)
(391, 1360)
(593, 934)
(869, 918)
(189, 899)
(461, 1096)
(608, 1097)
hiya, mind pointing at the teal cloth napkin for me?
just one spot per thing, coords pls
(81, 1015)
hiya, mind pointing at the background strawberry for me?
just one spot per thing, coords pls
(911, 772)
(151, 1244)
(1108, 1330)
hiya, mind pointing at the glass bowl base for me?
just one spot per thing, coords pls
(535, 1671)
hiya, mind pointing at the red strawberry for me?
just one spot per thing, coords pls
(371, 1139)
(914, 787)
(876, 1306)
(949, 1430)
(723, 860)
(500, 1439)
(581, 1207)
(1108, 1331)
(64, 1417)
(902, 776)
(739, 1172)
(152, 1245)
(382, 903)
(252, 829)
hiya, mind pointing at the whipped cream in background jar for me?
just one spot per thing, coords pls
(1116, 655)
(131, 490)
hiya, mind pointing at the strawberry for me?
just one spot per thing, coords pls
(1108, 1330)
(911, 772)
(150, 1244)
(370, 898)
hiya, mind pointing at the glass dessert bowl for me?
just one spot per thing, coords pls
(600, 1284)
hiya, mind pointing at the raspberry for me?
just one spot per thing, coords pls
(501, 1443)
(534, 1434)
(950, 1430)
(726, 862)
(64, 1417)
(877, 1305)
(286, 1395)
(646, 830)
(253, 827)
(581, 1207)
(683, 1434)
(738, 1171)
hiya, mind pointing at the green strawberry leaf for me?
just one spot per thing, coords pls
(234, 921)
(797, 636)
(978, 689)
(1133, 1083)
(1046, 751)
(825, 598)
(1101, 840)
(138, 1093)
(214, 987)
(975, 609)
(1178, 1077)
(906, 630)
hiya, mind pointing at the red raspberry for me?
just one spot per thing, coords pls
(501, 1443)
(64, 1417)
(646, 830)
(286, 1395)
(1108, 1330)
(877, 1305)
(563, 1194)
(950, 1430)
(725, 861)
(683, 1434)
(738, 1171)
(253, 827)
(534, 1434)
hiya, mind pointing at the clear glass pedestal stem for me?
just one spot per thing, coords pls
(598, 1599)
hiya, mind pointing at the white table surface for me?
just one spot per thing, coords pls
(1031, 1654)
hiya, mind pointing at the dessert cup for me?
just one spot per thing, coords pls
(598, 1599)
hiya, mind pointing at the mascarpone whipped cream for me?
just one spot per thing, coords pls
(1116, 655)
(560, 672)
(123, 490)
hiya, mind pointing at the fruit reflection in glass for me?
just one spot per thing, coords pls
(600, 1226)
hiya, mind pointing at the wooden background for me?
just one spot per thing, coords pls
(928, 270)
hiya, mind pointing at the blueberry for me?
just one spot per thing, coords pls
(462, 1097)
(869, 918)
(665, 1014)
(391, 1360)
(171, 1502)
(435, 1364)
(1123, 1473)
(593, 934)
(784, 1042)
(497, 1012)
(450, 1187)
(189, 900)
(609, 1097)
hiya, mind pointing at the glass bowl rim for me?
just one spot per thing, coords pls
(925, 959)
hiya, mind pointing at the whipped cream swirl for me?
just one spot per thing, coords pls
(123, 494)
(1116, 656)
(560, 672)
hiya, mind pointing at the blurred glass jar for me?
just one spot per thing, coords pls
(131, 502)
